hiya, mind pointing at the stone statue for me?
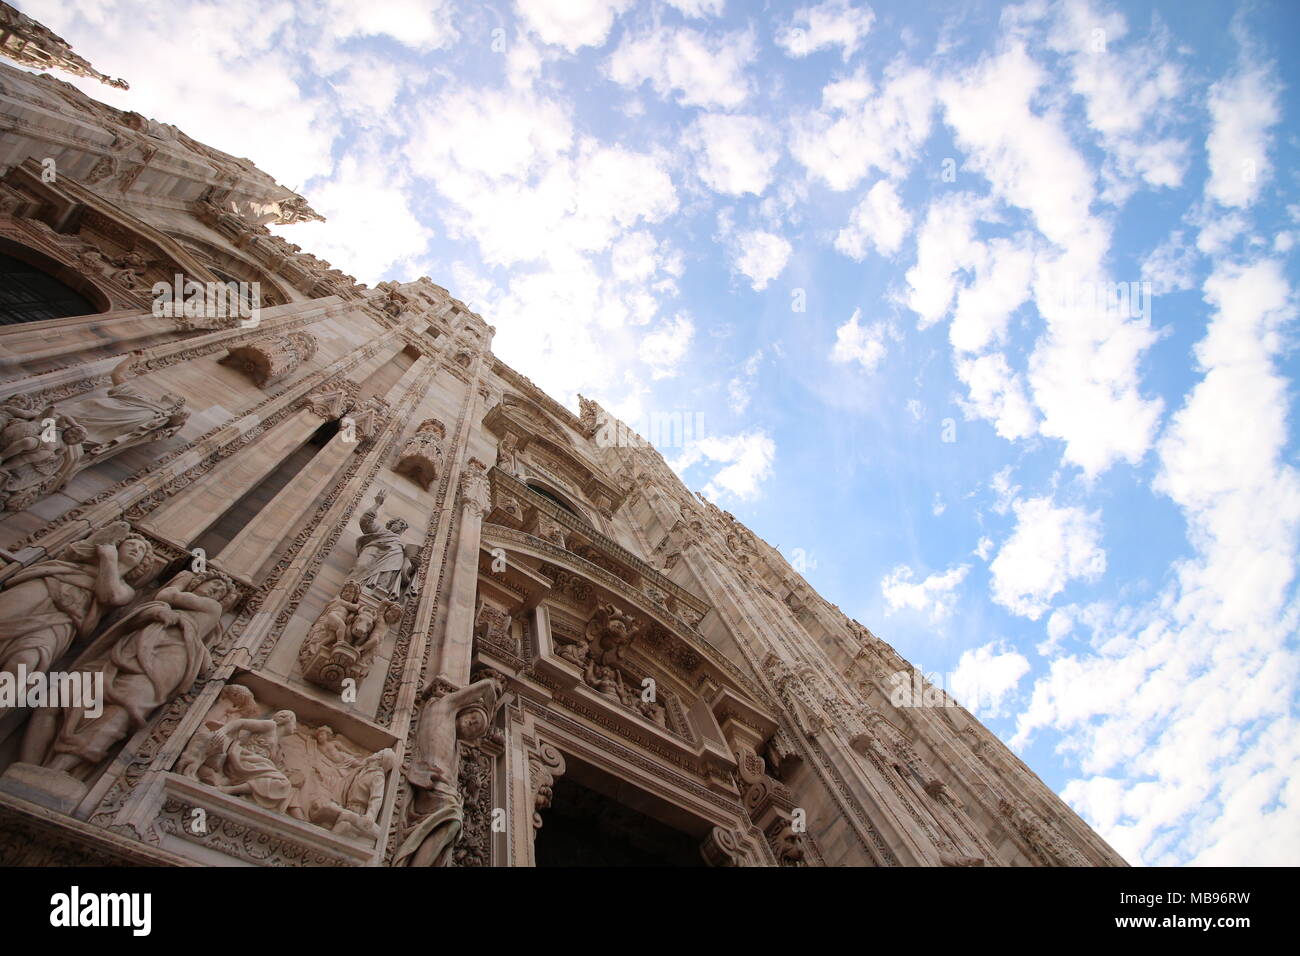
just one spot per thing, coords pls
(154, 654)
(653, 712)
(40, 451)
(384, 563)
(573, 651)
(123, 417)
(436, 811)
(610, 631)
(508, 454)
(605, 679)
(341, 642)
(45, 607)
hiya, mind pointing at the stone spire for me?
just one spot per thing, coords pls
(33, 44)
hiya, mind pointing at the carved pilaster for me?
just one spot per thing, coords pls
(475, 489)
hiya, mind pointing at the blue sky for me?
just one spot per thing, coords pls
(1084, 518)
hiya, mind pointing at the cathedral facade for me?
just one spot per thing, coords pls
(296, 572)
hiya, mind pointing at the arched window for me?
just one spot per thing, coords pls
(552, 496)
(29, 295)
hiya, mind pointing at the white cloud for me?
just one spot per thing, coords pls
(945, 244)
(736, 154)
(1131, 96)
(1050, 547)
(422, 24)
(698, 9)
(831, 23)
(1171, 266)
(1006, 491)
(1243, 108)
(761, 256)
(664, 348)
(1084, 370)
(855, 342)
(1182, 711)
(571, 24)
(369, 222)
(858, 128)
(879, 220)
(702, 71)
(997, 394)
(740, 389)
(936, 596)
(1004, 271)
(986, 676)
(747, 460)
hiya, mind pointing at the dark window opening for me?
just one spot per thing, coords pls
(243, 511)
(586, 828)
(29, 295)
(556, 498)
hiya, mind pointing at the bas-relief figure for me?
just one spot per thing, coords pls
(42, 451)
(123, 417)
(435, 813)
(312, 774)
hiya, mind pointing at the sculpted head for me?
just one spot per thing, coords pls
(472, 723)
(397, 525)
(214, 586)
(286, 721)
(133, 551)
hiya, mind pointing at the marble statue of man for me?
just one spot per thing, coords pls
(153, 654)
(436, 806)
(47, 606)
(383, 561)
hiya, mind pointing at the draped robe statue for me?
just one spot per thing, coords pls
(383, 561)
(436, 807)
(45, 607)
(123, 417)
(155, 654)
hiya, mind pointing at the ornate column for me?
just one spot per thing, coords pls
(458, 638)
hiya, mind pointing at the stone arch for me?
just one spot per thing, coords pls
(75, 282)
(227, 266)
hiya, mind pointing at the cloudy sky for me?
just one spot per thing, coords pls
(987, 313)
